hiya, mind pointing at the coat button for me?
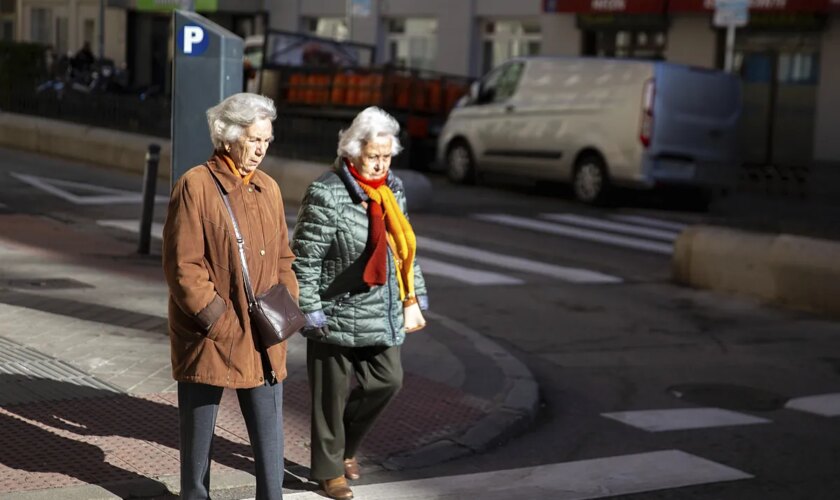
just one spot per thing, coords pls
(250, 190)
(262, 252)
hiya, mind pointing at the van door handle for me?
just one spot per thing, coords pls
(510, 108)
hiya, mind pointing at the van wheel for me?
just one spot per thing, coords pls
(460, 165)
(590, 183)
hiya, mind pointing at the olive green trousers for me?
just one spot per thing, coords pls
(341, 416)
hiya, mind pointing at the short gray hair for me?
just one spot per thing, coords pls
(371, 123)
(228, 119)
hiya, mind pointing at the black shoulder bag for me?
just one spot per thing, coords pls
(274, 314)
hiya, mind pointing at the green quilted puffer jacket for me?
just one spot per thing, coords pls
(329, 243)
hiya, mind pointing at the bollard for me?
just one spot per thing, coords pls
(149, 188)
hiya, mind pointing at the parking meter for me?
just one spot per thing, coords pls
(208, 64)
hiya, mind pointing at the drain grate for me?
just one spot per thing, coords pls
(46, 284)
(728, 396)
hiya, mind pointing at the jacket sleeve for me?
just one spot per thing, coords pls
(183, 258)
(316, 227)
(284, 266)
(419, 282)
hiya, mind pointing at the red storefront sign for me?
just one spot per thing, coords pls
(758, 5)
(605, 6)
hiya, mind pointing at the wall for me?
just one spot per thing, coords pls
(826, 143)
(691, 40)
(561, 37)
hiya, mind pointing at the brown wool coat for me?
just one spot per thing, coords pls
(209, 328)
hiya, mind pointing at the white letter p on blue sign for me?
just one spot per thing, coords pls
(193, 35)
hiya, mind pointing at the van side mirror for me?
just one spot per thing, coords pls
(474, 90)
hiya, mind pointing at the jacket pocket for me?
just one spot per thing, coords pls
(223, 326)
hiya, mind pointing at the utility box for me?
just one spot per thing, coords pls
(208, 67)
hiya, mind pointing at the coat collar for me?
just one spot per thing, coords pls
(356, 192)
(228, 179)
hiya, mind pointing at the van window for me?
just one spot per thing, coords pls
(501, 84)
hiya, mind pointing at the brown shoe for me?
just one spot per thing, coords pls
(337, 488)
(351, 469)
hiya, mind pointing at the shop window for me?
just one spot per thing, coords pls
(625, 43)
(40, 26)
(504, 40)
(327, 27)
(412, 42)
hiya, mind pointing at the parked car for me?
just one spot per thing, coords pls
(597, 123)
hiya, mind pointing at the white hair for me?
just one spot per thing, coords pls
(371, 123)
(228, 119)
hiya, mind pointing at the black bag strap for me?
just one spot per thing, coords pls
(240, 243)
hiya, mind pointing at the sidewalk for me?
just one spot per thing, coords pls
(87, 403)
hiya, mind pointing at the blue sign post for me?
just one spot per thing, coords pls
(208, 67)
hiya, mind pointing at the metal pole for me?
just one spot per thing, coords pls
(730, 48)
(149, 184)
(101, 30)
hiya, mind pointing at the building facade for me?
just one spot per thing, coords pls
(787, 56)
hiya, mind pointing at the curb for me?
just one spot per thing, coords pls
(793, 271)
(127, 151)
(513, 410)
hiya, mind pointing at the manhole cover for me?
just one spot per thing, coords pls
(47, 284)
(729, 396)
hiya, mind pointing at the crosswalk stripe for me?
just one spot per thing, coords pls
(578, 233)
(574, 275)
(683, 418)
(826, 405)
(616, 227)
(580, 480)
(466, 275)
(647, 221)
(460, 273)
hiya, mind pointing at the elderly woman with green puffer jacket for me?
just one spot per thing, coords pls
(356, 268)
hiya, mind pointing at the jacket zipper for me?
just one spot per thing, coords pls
(391, 302)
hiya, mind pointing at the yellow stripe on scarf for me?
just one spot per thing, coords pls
(401, 233)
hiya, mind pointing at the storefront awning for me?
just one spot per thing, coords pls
(606, 6)
(759, 5)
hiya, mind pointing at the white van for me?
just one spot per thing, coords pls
(597, 123)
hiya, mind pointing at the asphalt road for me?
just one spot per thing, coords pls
(691, 394)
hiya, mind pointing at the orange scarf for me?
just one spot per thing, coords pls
(397, 231)
(229, 161)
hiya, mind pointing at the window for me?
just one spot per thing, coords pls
(328, 27)
(61, 35)
(503, 40)
(7, 30)
(625, 43)
(7, 6)
(413, 42)
(39, 28)
(500, 85)
(89, 30)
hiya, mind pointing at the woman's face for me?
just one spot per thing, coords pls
(249, 150)
(376, 158)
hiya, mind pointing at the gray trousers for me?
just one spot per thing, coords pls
(341, 417)
(262, 407)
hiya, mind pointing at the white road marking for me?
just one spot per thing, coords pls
(647, 221)
(465, 274)
(579, 233)
(575, 275)
(616, 227)
(826, 405)
(103, 195)
(683, 418)
(581, 480)
(133, 226)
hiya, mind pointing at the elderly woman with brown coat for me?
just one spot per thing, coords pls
(213, 344)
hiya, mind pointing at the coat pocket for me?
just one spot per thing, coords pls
(222, 327)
